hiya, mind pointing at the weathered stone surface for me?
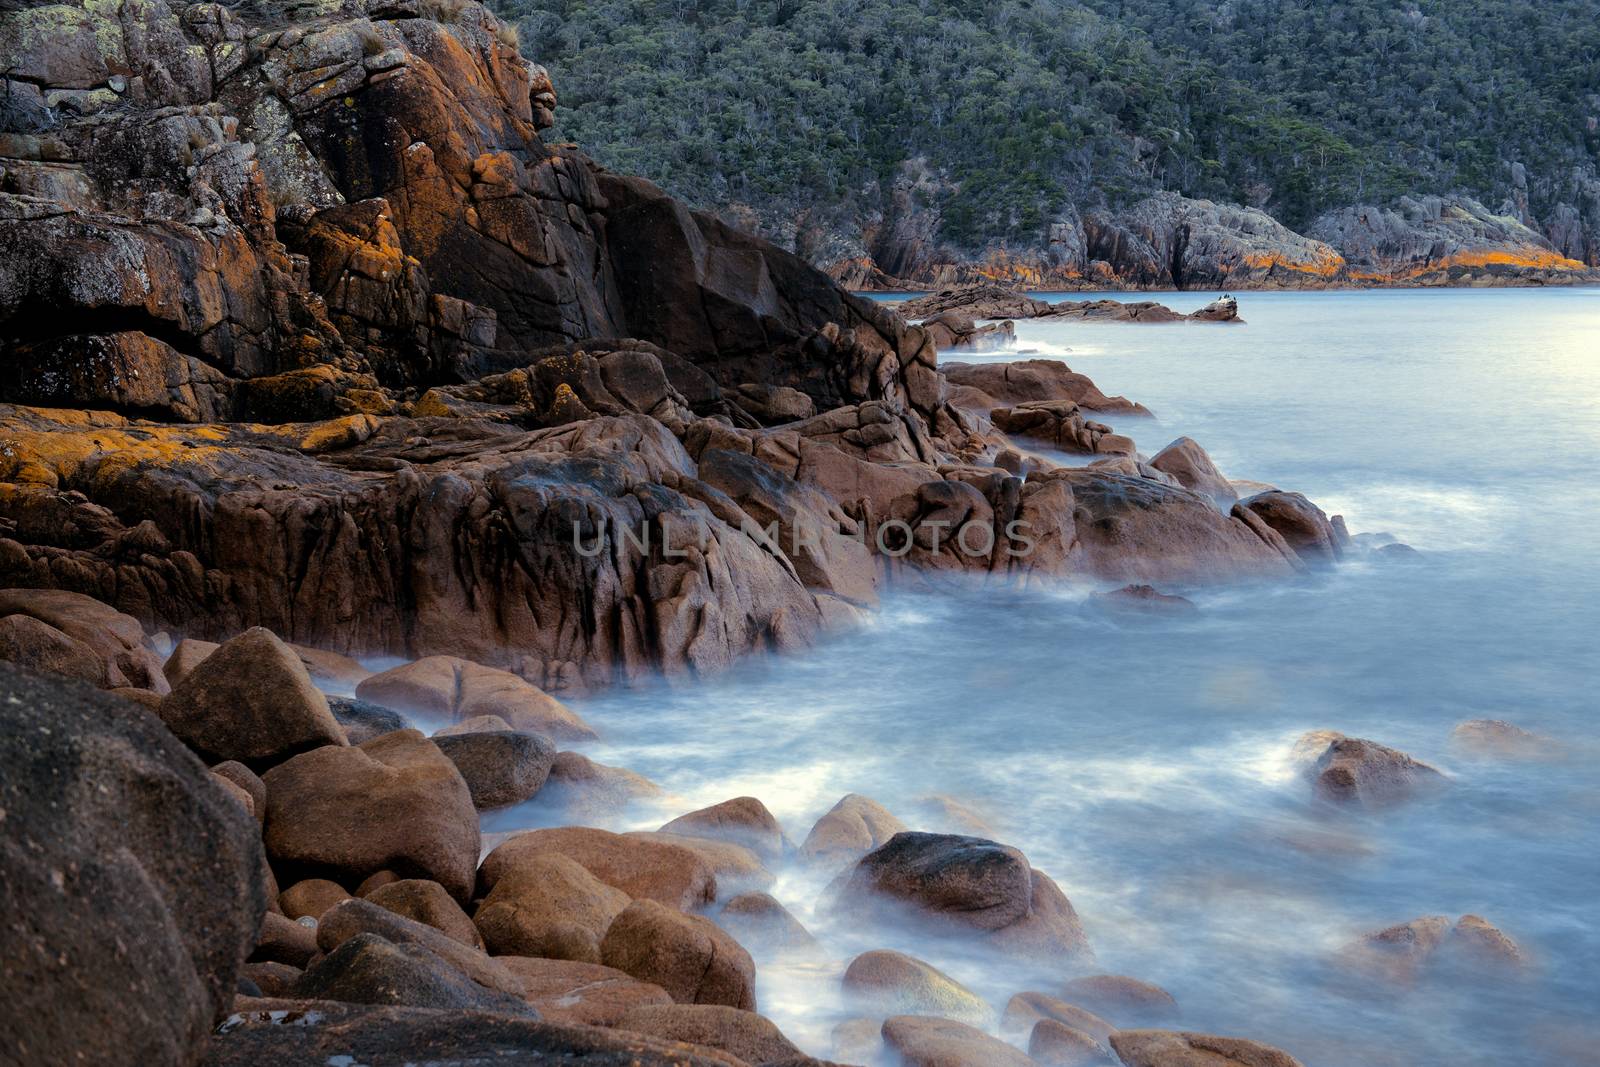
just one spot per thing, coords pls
(114, 639)
(546, 904)
(311, 897)
(742, 820)
(272, 979)
(363, 720)
(251, 700)
(247, 782)
(965, 880)
(638, 864)
(586, 994)
(283, 940)
(734, 867)
(924, 1041)
(850, 829)
(892, 983)
(132, 887)
(1026, 380)
(1302, 525)
(301, 1031)
(751, 1037)
(394, 803)
(1168, 1048)
(366, 969)
(500, 768)
(1120, 998)
(428, 903)
(1365, 774)
(1186, 461)
(349, 918)
(686, 955)
(444, 687)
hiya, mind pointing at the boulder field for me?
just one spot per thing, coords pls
(302, 887)
(315, 353)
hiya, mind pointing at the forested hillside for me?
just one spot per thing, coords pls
(825, 123)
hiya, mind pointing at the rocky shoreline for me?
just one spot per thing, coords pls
(318, 357)
(1170, 241)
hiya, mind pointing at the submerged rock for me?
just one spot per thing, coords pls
(1169, 1048)
(1368, 775)
(1120, 998)
(1055, 1044)
(1026, 1009)
(1498, 739)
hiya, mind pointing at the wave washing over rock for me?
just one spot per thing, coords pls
(313, 349)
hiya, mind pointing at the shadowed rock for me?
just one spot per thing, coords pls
(366, 969)
(136, 876)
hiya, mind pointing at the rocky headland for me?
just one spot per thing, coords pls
(315, 352)
(1170, 241)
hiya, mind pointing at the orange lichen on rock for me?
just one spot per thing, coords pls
(1325, 263)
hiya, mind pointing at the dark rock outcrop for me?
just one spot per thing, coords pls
(133, 884)
(301, 1031)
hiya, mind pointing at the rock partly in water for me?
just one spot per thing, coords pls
(1121, 999)
(1364, 774)
(1410, 951)
(583, 792)
(133, 877)
(686, 955)
(742, 820)
(1026, 1009)
(363, 720)
(1187, 462)
(501, 768)
(1498, 739)
(763, 925)
(1055, 1044)
(893, 983)
(444, 687)
(850, 829)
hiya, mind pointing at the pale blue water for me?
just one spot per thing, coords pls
(1145, 768)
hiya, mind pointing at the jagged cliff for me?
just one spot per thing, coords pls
(303, 325)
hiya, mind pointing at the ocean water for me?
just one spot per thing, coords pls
(1146, 766)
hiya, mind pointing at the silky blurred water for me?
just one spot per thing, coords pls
(1145, 766)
